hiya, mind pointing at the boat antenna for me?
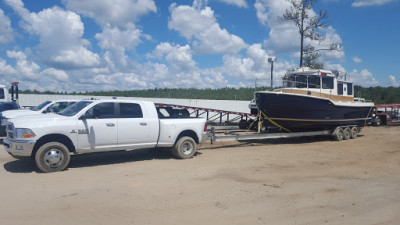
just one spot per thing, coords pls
(336, 73)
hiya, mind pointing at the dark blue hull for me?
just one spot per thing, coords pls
(307, 113)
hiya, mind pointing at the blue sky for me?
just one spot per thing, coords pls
(79, 45)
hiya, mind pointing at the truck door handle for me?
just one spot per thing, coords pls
(110, 124)
(143, 124)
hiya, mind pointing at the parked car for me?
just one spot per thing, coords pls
(97, 126)
(54, 106)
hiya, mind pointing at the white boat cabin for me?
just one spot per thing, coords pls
(320, 83)
(4, 96)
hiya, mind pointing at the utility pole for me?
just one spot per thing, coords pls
(272, 60)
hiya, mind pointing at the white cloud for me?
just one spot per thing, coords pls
(60, 34)
(6, 32)
(58, 75)
(75, 58)
(179, 57)
(116, 18)
(238, 3)
(253, 68)
(112, 13)
(363, 78)
(27, 69)
(29, 75)
(393, 81)
(6, 70)
(361, 3)
(357, 59)
(117, 39)
(284, 37)
(201, 28)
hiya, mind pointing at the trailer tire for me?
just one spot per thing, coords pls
(338, 134)
(52, 157)
(377, 121)
(354, 133)
(346, 133)
(184, 148)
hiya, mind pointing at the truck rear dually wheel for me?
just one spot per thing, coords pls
(52, 157)
(184, 148)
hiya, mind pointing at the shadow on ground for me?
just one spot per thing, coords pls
(97, 159)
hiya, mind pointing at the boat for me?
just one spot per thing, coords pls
(313, 99)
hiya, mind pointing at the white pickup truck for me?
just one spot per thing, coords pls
(98, 126)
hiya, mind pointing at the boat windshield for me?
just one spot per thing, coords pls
(73, 109)
(39, 107)
(307, 81)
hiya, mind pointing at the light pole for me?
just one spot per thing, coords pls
(272, 60)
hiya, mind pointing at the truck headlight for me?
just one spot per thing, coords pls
(24, 133)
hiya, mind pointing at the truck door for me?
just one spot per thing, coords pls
(98, 129)
(134, 129)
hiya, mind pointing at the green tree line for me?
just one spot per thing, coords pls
(379, 95)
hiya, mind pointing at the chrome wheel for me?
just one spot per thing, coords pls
(187, 147)
(53, 158)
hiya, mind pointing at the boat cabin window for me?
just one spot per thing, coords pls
(288, 81)
(350, 89)
(327, 82)
(340, 89)
(314, 82)
(301, 81)
(310, 81)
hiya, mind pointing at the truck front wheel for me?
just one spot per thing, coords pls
(52, 157)
(184, 148)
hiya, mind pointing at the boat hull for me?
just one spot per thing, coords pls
(307, 113)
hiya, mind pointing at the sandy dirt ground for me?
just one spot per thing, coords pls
(289, 182)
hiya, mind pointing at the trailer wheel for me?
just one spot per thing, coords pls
(52, 157)
(354, 133)
(377, 121)
(338, 134)
(184, 148)
(346, 133)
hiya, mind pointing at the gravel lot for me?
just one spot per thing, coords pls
(289, 182)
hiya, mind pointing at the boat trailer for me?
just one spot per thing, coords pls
(339, 133)
(213, 116)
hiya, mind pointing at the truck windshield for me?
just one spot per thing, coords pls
(73, 109)
(39, 107)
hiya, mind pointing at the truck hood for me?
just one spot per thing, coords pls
(38, 120)
(9, 114)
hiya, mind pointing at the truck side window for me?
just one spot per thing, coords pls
(130, 110)
(101, 111)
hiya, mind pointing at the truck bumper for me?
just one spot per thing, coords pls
(19, 148)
